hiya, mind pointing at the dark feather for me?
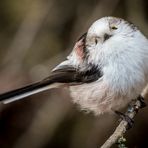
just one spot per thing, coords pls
(68, 75)
(83, 36)
(61, 77)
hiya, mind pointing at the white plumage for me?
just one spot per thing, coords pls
(111, 60)
(124, 61)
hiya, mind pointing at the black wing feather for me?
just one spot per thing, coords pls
(67, 74)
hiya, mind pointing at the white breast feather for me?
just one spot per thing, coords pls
(124, 62)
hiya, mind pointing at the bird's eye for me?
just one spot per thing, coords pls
(96, 41)
(114, 28)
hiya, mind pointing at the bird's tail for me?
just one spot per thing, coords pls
(55, 80)
(26, 91)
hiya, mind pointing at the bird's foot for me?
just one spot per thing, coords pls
(141, 99)
(126, 118)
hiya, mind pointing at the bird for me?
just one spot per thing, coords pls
(105, 71)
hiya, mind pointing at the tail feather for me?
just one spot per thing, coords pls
(65, 75)
(25, 92)
(53, 81)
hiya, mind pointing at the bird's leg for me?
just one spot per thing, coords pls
(131, 108)
(141, 99)
(126, 118)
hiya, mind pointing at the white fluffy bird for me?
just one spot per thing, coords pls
(106, 70)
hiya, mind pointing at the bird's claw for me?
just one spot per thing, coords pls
(126, 118)
(141, 99)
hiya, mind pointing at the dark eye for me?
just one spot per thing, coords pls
(96, 41)
(114, 28)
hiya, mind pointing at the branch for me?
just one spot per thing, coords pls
(123, 126)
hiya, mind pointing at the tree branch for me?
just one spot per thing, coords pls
(131, 112)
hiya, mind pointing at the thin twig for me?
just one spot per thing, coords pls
(123, 126)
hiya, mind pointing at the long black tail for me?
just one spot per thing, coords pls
(55, 80)
(26, 91)
(66, 75)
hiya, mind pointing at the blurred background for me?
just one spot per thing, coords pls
(35, 35)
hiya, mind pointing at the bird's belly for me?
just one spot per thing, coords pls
(98, 98)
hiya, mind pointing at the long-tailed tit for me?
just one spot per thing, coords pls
(107, 68)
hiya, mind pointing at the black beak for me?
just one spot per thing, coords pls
(106, 36)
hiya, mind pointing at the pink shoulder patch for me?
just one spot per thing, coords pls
(79, 49)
